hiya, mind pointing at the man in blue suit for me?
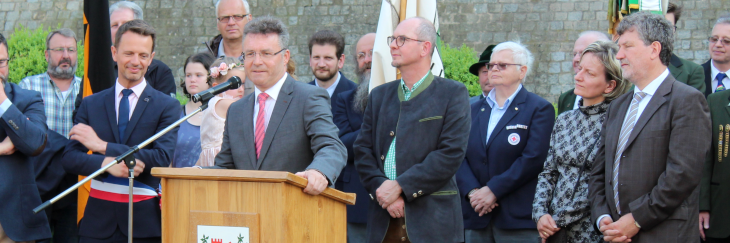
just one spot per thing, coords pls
(347, 108)
(326, 58)
(508, 145)
(23, 133)
(108, 123)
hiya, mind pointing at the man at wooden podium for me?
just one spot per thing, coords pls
(412, 187)
(285, 125)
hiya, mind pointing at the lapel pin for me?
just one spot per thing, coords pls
(146, 99)
(517, 109)
(482, 109)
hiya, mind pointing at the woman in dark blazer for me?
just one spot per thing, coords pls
(561, 203)
(508, 144)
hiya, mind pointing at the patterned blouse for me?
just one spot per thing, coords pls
(572, 143)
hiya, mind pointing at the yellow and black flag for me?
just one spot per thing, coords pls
(99, 71)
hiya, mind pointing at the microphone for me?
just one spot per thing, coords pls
(232, 83)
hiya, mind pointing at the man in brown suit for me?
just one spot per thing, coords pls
(644, 184)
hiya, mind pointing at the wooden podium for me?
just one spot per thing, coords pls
(270, 204)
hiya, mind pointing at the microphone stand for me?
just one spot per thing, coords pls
(128, 159)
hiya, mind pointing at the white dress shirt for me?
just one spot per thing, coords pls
(714, 71)
(331, 88)
(650, 89)
(273, 93)
(576, 104)
(133, 98)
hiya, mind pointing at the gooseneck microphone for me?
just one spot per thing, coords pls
(232, 83)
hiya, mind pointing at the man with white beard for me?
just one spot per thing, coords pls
(347, 109)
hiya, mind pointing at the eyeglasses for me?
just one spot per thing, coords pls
(400, 40)
(4, 62)
(249, 56)
(237, 17)
(714, 39)
(500, 66)
(362, 55)
(71, 50)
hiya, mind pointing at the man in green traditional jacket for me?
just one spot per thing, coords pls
(684, 71)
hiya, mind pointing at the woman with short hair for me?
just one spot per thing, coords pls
(561, 205)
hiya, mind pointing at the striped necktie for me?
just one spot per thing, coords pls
(623, 138)
(720, 86)
(260, 123)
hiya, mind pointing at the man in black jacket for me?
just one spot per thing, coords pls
(232, 16)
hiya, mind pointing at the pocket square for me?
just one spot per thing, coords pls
(431, 118)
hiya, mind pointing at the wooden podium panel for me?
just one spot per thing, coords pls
(284, 213)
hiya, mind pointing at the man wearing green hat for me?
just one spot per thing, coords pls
(480, 70)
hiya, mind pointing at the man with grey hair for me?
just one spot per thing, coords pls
(286, 125)
(158, 75)
(569, 100)
(719, 63)
(413, 178)
(644, 182)
(231, 16)
(714, 193)
(347, 109)
(58, 87)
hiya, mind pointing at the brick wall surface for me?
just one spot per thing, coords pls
(548, 27)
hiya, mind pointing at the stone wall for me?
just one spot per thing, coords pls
(548, 27)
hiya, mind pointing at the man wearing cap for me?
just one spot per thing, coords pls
(480, 70)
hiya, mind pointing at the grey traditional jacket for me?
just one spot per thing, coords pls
(432, 128)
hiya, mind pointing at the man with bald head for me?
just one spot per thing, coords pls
(411, 143)
(347, 108)
(569, 100)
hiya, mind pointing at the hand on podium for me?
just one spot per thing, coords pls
(316, 183)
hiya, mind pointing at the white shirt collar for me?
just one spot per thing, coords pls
(331, 88)
(714, 71)
(137, 89)
(651, 88)
(492, 98)
(273, 92)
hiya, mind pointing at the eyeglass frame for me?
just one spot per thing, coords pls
(391, 38)
(64, 49)
(364, 54)
(262, 55)
(500, 66)
(723, 41)
(228, 18)
(6, 61)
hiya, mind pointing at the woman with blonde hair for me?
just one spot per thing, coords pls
(561, 205)
(214, 118)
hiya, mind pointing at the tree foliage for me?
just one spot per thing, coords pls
(26, 52)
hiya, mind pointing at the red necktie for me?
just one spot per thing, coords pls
(260, 123)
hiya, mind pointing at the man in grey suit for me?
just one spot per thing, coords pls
(644, 184)
(413, 179)
(284, 125)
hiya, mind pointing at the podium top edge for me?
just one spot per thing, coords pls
(247, 176)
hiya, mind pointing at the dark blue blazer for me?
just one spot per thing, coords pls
(344, 85)
(510, 171)
(154, 112)
(24, 123)
(348, 120)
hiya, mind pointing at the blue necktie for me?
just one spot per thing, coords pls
(123, 118)
(720, 86)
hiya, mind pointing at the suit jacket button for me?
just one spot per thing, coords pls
(404, 226)
(415, 195)
(403, 239)
(392, 133)
(382, 157)
(420, 192)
